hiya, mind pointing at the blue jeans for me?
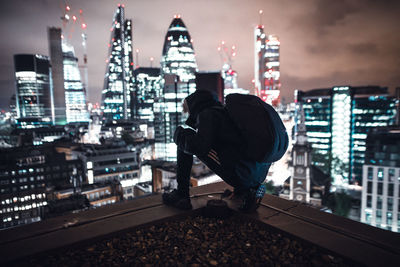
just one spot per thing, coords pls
(241, 176)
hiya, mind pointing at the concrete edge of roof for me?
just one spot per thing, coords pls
(355, 241)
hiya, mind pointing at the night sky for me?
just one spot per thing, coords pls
(323, 42)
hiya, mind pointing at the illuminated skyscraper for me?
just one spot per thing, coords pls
(34, 96)
(69, 92)
(338, 121)
(118, 81)
(178, 68)
(267, 66)
(75, 96)
(147, 89)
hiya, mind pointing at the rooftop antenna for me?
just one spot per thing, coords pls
(260, 12)
(151, 61)
(137, 58)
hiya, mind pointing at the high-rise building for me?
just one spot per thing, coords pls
(267, 66)
(57, 68)
(147, 89)
(380, 202)
(178, 68)
(118, 80)
(34, 95)
(69, 93)
(338, 121)
(75, 95)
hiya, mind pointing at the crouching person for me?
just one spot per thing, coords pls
(215, 139)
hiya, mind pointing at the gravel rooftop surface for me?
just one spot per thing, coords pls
(193, 241)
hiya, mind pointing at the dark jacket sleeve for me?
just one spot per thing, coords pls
(198, 143)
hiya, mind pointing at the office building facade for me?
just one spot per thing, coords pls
(380, 202)
(119, 80)
(178, 68)
(75, 93)
(147, 91)
(34, 95)
(338, 121)
(267, 66)
(27, 175)
(69, 92)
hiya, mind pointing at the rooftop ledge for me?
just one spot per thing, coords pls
(355, 242)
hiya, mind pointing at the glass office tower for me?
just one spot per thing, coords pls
(34, 96)
(69, 92)
(178, 68)
(338, 121)
(147, 90)
(75, 96)
(267, 66)
(118, 81)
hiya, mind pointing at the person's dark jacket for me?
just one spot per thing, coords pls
(213, 129)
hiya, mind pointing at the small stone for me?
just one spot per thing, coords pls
(213, 262)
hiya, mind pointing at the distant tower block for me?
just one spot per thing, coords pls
(118, 81)
(267, 66)
(34, 103)
(178, 68)
(69, 92)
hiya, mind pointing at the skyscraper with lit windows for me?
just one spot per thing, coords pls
(380, 202)
(75, 95)
(267, 66)
(178, 68)
(147, 90)
(338, 120)
(69, 92)
(34, 95)
(118, 80)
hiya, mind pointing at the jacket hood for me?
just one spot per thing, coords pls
(197, 102)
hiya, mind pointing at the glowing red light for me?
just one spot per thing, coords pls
(119, 5)
(109, 45)
(84, 25)
(80, 11)
(67, 8)
(74, 18)
(123, 5)
(131, 63)
(106, 60)
(113, 39)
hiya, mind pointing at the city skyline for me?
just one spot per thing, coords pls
(322, 43)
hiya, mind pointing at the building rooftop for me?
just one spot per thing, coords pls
(114, 232)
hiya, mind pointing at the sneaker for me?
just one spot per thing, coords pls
(236, 194)
(175, 199)
(252, 198)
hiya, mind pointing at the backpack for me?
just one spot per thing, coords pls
(264, 134)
